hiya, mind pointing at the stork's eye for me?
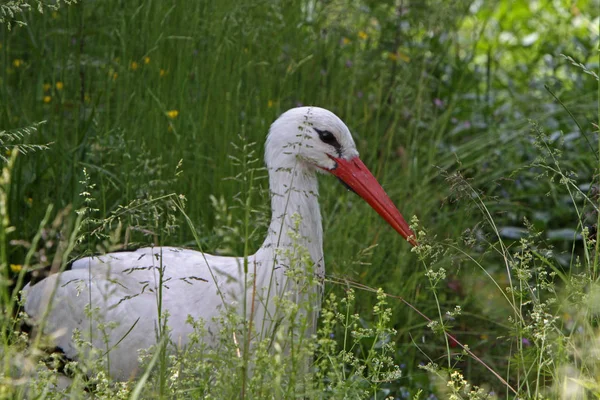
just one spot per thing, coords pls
(327, 137)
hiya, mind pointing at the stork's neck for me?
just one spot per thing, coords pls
(295, 214)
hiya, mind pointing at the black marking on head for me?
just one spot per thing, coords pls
(329, 138)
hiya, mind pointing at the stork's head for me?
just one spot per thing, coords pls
(316, 139)
(310, 135)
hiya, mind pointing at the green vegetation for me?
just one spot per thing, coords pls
(480, 118)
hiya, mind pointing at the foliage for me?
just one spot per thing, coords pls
(14, 141)
(10, 10)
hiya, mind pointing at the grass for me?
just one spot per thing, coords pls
(156, 98)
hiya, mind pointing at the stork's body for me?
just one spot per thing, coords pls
(123, 287)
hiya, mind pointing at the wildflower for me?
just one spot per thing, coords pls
(146, 60)
(363, 35)
(172, 114)
(162, 72)
(47, 99)
(404, 393)
(403, 57)
(47, 87)
(16, 268)
(54, 15)
(398, 56)
(349, 63)
(575, 10)
(17, 62)
(345, 41)
(270, 104)
(438, 102)
(134, 65)
(115, 76)
(29, 201)
(59, 85)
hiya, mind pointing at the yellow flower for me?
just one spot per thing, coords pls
(115, 76)
(399, 56)
(363, 35)
(270, 104)
(16, 268)
(172, 114)
(133, 65)
(162, 72)
(47, 99)
(59, 85)
(29, 201)
(146, 60)
(47, 87)
(345, 40)
(17, 62)
(403, 57)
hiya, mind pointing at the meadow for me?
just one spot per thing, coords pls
(130, 123)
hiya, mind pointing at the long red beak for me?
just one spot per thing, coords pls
(357, 176)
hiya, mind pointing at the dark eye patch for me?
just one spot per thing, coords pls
(329, 138)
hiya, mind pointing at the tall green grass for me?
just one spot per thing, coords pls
(439, 98)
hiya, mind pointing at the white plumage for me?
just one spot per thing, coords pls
(122, 288)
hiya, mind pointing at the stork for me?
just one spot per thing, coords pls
(122, 288)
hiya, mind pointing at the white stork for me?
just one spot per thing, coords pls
(123, 286)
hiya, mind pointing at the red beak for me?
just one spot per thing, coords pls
(357, 176)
